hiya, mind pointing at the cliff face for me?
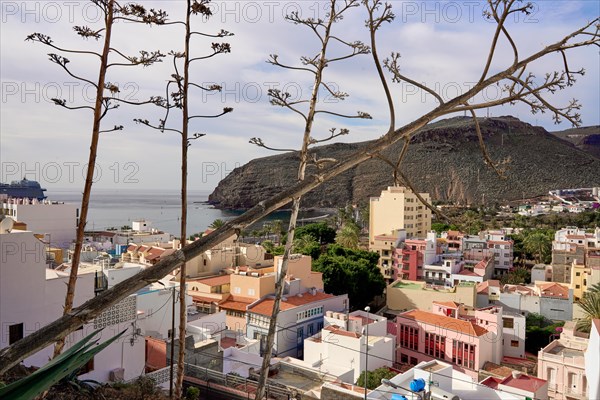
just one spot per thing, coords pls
(443, 159)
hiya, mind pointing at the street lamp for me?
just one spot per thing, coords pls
(367, 309)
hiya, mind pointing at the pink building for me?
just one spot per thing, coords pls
(444, 335)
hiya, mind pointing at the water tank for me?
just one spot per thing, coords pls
(417, 385)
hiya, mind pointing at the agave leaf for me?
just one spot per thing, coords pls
(68, 362)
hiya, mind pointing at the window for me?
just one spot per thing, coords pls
(251, 292)
(403, 358)
(508, 323)
(15, 332)
(463, 354)
(514, 343)
(409, 337)
(577, 286)
(310, 330)
(435, 345)
(300, 334)
(237, 290)
(577, 273)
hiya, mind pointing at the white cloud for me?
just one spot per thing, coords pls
(443, 44)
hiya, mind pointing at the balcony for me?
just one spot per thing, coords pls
(572, 393)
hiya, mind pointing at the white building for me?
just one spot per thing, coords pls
(342, 344)
(32, 296)
(443, 382)
(300, 316)
(56, 221)
(592, 361)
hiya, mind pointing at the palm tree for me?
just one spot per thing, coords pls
(595, 288)
(217, 223)
(590, 305)
(277, 228)
(539, 244)
(347, 237)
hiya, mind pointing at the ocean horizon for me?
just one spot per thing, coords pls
(114, 208)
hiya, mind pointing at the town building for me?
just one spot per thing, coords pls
(439, 380)
(541, 272)
(33, 296)
(465, 336)
(423, 336)
(57, 222)
(398, 208)
(562, 363)
(519, 384)
(572, 244)
(592, 361)
(551, 299)
(342, 344)
(407, 295)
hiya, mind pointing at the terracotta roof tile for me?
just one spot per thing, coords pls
(336, 330)
(454, 324)
(466, 272)
(265, 307)
(553, 289)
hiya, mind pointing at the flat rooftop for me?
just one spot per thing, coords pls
(565, 351)
(405, 285)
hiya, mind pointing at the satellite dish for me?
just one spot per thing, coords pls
(6, 224)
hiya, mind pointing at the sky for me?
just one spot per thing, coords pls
(443, 44)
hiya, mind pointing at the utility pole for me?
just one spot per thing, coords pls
(367, 309)
(172, 343)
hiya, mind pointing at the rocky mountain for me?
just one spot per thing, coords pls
(586, 139)
(443, 159)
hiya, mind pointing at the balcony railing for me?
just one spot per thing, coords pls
(576, 393)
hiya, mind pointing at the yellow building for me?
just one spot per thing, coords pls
(398, 208)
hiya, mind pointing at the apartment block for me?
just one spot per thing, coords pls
(442, 381)
(398, 208)
(342, 344)
(562, 363)
(551, 299)
(573, 244)
(56, 221)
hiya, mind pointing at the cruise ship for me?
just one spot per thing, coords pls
(24, 189)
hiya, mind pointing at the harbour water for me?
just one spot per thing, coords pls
(116, 208)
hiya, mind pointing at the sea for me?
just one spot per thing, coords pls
(114, 208)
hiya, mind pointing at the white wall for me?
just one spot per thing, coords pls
(34, 296)
(592, 363)
(58, 221)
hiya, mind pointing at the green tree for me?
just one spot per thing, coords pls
(590, 305)
(470, 222)
(595, 288)
(539, 244)
(277, 228)
(307, 245)
(320, 231)
(217, 223)
(517, 276)
(351, 271)
(374, 377)
(348, 236)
